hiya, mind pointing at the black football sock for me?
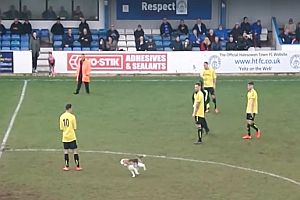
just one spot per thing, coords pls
(67, 160)
(200, 130)
(248, 129)
(205, 126)
(215, 102)
(76, 158)
(254, 127)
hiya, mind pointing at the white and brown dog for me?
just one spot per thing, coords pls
(133, 165)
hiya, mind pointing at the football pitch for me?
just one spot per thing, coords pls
(125, 116)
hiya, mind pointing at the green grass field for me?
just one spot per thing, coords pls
(151, 116)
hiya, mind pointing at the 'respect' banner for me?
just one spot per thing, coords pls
(158, 9)
(6, 62)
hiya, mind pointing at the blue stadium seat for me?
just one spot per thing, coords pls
(24, 37)
(67, 49)
(8, 31)
(166, 38)
(76, 44)
(156, 37)
(159, 43)
(76, 48)
(159, 49)
(76, 37)
(166, 43)
(45, 33)
(24, 48)
(15, 43)
(6, 37)
(86, 48)
(95, 49)
(102, 31)
(15, 37)
(15, 48)
(183, 37)
(94, 44)
(95, 37)
(5, 48)
(5, 43)
(196, 49)
(94, 31)
(57, 49)
(57, 37)
(57, 44)
(24, 44)
(167, 49)
(75, 31)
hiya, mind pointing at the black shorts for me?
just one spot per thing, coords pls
(210, 90)
(250, 116)
(199, 120)
(70, 145)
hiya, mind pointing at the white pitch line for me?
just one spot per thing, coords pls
(170, 158)
(158, 80)
(12, 120)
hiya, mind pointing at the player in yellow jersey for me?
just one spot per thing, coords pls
(251, 111)
(209, 79)
(198, 111)
(67, 124)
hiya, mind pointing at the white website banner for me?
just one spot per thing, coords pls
(181, 62)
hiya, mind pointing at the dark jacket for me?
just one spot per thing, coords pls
(216, 46)
(231, 46)
(188, 47)
(236, 32)
(2, 29)
(141, 47)
(85, 40)
(138, 34)
(27, 28)
(286, 39)
(57, 29)
(246, 27)
(114, 34)
(68, 40)
(176, 45)
(298, 34)
(16, 28)
(183, 29)
(151, 46)
(166, 29)
(34, 45)
(84, 25)
(203, 29)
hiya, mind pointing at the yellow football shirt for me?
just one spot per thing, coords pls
(198, 98)
(208, 76)
(252, 96)
(67, 123)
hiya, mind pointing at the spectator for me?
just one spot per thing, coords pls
(183, 28)
(102, 45)
(256, 32)
(77, 13)
(2, 28)
(34, 46)
(291, 26)
(187, 45)
(245, 26)
(165, 28)
(176, 45)
(216, 45)
(68, 39)
(138, 33)
(195, 39)
(25, 14)
(141, 44)
(111, 44)
(83, 25)
(49, 14)
(231, 44)
(16, 27)
(221, 33)
(12, 13)
(285, 37)
(27, 28)
(63, 14)
(236, 32)
(211, 35)
(151, 46)
(205, 45)
(57, 28)
(297, 33)
(85, 38)
(112, 32)
(51, 62)
(244, 42)
(200, 27)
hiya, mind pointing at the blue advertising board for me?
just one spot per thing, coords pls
(158, 9)
(6, 62)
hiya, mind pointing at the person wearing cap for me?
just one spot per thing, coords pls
(83, 74)
(57, 28)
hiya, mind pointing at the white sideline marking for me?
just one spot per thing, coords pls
(168, 158)
(12, 120)
(158, 80)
